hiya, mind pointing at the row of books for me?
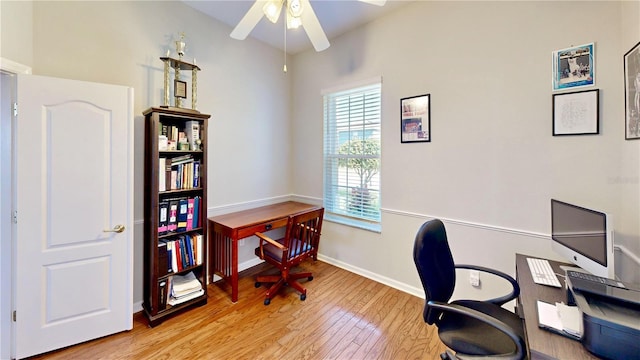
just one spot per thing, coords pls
(190, 133)
(179, 214)
(182, 172)
(180, 253)
(178, 289)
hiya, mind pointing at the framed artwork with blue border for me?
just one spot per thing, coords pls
(574, 67)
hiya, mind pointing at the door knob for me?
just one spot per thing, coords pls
(116, 229)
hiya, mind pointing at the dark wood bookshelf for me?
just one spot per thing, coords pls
(155, 118)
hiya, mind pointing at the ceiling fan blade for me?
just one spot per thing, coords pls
(375, 2)
(312, 27)
(249, 21)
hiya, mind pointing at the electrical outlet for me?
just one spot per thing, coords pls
(474, 278)
(241, 242)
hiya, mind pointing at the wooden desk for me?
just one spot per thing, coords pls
(543, 344)
(225, 231)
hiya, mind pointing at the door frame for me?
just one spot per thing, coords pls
(9, 70)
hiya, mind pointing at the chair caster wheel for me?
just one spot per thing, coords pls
(310, 278)
(257, 284)
(267, 301)
(303, 297)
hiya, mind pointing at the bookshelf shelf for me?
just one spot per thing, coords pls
(175, 198)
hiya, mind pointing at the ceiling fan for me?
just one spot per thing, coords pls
(298, 13)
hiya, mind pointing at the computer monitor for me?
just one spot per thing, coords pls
(584, 237)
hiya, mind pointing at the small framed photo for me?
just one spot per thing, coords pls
(415, 119)
(574, 67)
(180, 89)
(632, 93)
(576, 113)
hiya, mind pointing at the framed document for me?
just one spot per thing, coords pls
(180, 89)
(576, 113)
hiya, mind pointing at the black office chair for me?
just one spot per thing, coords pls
(471, 328)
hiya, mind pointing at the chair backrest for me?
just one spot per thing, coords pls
(303, 236)
(433, 259)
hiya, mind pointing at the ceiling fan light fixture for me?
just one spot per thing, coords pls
(293, 22)
(272, 10)
(294, 7)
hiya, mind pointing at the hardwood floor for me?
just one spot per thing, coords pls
(345, 316)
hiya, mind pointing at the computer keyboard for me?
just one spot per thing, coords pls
(542, 273)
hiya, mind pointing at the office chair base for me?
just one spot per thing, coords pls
(278, 282)
(448, 355)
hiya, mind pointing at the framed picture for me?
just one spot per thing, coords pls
(632, 93)
(576, 113)
(573, 67)
(415, 119)
(180, 89)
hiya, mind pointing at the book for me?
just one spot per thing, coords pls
(175, 301)
(190, 210)
(196, 212)
(174, 179)
(196, 174)
(163, 217)
(181, 159)
(169, 256)
(189, 250)
(183, 254)
(172, 224)
(162, 295)
(192, 131)
(163, 259)
(184, 284)
(199, 254)
(167, 174)
(183, 206)
(178, 248)
(174, 255)
(162, 180)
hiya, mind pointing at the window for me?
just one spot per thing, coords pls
(352, 156)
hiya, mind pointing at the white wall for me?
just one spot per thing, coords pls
(492, 165)
(241, 84)
(16, 37)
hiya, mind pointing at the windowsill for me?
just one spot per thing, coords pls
(377, 228)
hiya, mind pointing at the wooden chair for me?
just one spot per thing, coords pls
(299, 243)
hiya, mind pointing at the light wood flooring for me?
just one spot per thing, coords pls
(345, 316)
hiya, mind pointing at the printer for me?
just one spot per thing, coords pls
(611, 328)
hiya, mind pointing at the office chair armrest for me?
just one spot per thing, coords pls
(491, 321)
(502, 299)
(270, 241)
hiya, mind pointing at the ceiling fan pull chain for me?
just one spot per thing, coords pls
(285, 47)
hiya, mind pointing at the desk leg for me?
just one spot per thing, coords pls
(224, 260)
(234, 270)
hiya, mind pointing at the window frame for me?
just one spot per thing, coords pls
(365, 120)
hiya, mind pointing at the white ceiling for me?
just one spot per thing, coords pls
(335, 16)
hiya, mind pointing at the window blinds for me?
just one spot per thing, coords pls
(352, 126)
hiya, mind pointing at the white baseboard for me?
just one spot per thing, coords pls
(419, 292)
(137, 306)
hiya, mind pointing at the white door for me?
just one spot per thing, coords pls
(74, 180)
